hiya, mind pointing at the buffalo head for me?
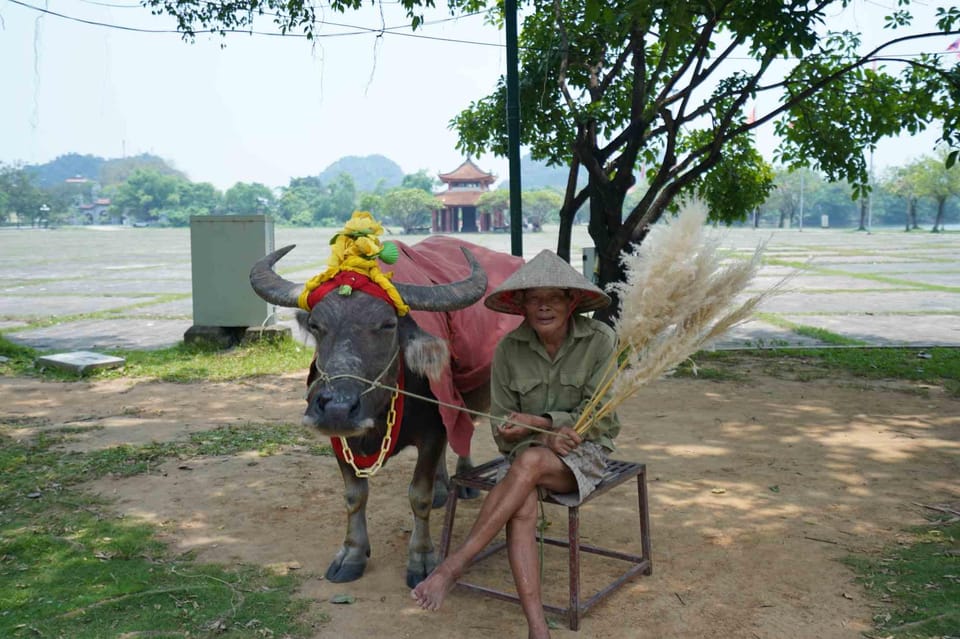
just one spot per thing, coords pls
(360, 338)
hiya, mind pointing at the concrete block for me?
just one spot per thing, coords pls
(272, 333)
(221, 336)
(80, 361)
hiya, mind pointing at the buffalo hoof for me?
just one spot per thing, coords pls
(419, 566)
(341, 573)
(467, 492)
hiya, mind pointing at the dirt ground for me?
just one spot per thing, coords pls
(757, 489)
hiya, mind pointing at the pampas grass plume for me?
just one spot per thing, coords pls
(678, 297)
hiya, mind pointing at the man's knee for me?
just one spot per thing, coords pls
(533, 463)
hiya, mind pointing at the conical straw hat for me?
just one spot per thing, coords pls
(546, 270)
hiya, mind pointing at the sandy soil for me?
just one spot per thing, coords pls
(757, 491)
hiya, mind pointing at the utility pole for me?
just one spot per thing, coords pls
(513, 128)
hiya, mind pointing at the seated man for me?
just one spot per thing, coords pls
(544, 373)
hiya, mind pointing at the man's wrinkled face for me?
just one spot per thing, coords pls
(547, 310)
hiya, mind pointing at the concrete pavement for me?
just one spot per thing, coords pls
(118, 288)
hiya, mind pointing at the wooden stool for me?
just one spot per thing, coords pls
(484, 477)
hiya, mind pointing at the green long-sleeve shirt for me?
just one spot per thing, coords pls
(524, 379)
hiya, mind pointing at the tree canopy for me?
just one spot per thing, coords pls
(614, 88)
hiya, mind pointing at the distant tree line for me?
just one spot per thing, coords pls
(923, 194)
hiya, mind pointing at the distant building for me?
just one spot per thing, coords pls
(465, 185)
(97, 213)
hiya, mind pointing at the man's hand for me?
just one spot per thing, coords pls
(514, 428)
(563, 441)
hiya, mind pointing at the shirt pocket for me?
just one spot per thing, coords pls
(574, 379)
(572, 388)
(532, 392)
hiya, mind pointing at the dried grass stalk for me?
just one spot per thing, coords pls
(679, 296)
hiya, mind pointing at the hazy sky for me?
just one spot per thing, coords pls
(266, 108)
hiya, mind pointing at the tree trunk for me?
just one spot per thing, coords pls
(863, 214)
(568, 211)
(907, 223)
(606, 229)
(938, 223)
(783, 219)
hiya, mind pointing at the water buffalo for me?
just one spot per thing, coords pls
(364, 348)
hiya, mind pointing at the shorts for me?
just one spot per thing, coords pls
(587, 462)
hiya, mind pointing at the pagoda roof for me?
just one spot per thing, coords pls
(468, 172)
(460, 198)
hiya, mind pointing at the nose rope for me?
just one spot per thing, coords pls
(375, 383)
(322, 376)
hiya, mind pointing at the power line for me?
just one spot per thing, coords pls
(356, 30)
(400, 30)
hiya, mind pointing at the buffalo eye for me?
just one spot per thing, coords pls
(315, 328)
(388, 325)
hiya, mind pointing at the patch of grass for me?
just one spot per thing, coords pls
(67, 569)
(39, 467)
(16, 358)
(110, 313)
(873, 277)
(918, 583)
(192, 362)
(819, 334)
(692, 369)
(825, 336)
(83, 575)
(936, 366)
(180, 363)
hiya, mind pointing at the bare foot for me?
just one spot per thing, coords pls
(431, 592)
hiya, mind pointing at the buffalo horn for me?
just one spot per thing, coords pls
(270, 286)
(447, 297)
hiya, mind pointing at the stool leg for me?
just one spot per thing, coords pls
(644, 519)
(573, 613)
(449, 512)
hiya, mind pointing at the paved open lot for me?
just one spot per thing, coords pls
(122, 288)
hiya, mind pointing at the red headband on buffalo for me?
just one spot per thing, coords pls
(353, 282)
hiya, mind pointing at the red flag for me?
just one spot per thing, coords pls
(753, 116)
(955, 46)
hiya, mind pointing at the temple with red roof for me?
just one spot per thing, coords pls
(459, 214)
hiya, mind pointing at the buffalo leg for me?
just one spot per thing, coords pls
(351, 559)
(421, 558)
(441, 484)
(466, 492)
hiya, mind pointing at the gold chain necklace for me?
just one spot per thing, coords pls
(385, 444)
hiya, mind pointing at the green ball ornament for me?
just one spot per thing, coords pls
(389, 253)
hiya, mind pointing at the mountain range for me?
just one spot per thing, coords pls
(368, 172)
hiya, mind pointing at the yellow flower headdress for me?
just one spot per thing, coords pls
(356, 248)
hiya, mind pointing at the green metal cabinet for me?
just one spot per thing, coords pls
(222, 250)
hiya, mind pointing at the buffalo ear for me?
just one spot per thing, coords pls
(302, 316)
(424, 353)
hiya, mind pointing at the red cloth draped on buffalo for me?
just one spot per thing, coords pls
(471, 333)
